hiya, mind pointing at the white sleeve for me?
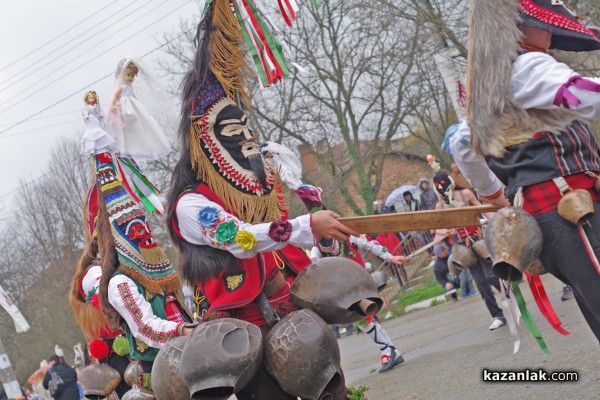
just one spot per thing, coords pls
(372, 246)
(91, 280)
(124, 296)
(537, 78)
(473, 167)
(204, 222)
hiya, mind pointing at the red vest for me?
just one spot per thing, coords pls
(234, 289)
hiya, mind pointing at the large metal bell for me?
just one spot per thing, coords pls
(339, 290)
(220, 358)
(138, 393)
(480, 248)
(576, 206)
(99, 380)
(536, 268)
(166, 381)
(514, 240)
(133, 374)
(463, 256)
(380, 279)
(453, 268)
(303, 356)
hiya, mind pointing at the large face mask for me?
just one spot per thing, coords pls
(231, 146)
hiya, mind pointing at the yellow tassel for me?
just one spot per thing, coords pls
(228, 60)
(171, 284)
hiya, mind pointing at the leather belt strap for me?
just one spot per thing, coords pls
(274, 284)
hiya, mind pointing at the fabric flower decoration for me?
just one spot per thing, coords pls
(245, 240)
(208, 216)
(226, 231)
(280, 230)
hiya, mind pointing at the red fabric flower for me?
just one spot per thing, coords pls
(95, 301)
(280, 230)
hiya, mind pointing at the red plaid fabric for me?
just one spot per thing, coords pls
(543, 197)
(172, 310)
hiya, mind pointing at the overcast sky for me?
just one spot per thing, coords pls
(51, 52)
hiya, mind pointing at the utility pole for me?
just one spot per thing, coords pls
(7, 374)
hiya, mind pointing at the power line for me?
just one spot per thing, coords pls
(51, 171)
(33, 85)
(62, 34)
(88, 85)
(68, 51)
(44, 117)
(40, 128)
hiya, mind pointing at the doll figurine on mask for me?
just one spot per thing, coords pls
(138, 134)
(95, 139)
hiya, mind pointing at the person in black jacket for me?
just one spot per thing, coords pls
(67, 389)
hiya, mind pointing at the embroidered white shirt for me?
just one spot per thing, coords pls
(137, 312)
(193, 231)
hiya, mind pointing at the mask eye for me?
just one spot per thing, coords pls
(232, 130)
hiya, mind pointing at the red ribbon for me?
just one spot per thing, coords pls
(292, 15)
(278, 71)
(543, 303)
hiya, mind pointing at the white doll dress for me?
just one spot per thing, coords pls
(95, 139)
(137, 133)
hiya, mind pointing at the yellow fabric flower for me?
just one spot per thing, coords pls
(245, 240)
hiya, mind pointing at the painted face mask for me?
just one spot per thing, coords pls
(139, 255)
(232, 147)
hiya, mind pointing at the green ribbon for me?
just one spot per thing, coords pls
(315, 3)
(251, 49)
(529, 323)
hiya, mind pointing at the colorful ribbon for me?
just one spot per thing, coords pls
(567, 99)
(543, 303)
(527, 319)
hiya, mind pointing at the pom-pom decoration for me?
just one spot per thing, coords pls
(99, 349)
(121, 346)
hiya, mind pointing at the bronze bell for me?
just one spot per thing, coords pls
(220, 358)
(536, 268)
(99, 380)
(339, 290)
(380, 279)
(514, 240)
(576, 206)
(303, 356)
(481, 250)
(463, 256)
(138, 393)
(453, 268)
(133, 374)
(166, 381)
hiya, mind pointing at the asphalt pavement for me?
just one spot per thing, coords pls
(447, 348)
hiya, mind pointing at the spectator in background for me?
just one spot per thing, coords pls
(426, 194)
(450, 282)
(408, 203)
(68, 389)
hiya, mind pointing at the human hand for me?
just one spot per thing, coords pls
(398, 260)
(325, 225)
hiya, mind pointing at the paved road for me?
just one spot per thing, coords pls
(447, 346)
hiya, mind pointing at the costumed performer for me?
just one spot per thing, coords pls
(533, 130)
(352, 249)
(289, 169)
(451, 195)
(139, 288)
(225, 211)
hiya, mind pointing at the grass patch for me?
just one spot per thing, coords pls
(436, 303)
(431, 289)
